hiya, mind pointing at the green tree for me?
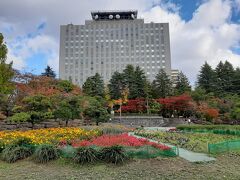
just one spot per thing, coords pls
(6, 71)
(94, 86)
(96, 111)
(183, 84)
(140, 84)
(3, 49)
(129, 80)
(6, 83)
(162, 85)
(38, 108)
(207, 78)
(116, 85)
(49, 72)
(67, 109)
(236, 81)
(133, 79)
(225, 77)
(65, 85)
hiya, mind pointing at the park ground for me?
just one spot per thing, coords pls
(225, 167)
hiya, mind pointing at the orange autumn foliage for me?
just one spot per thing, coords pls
(43, 85)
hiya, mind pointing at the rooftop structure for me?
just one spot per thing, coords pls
(113, 15)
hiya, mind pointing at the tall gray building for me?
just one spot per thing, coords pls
(109, 42)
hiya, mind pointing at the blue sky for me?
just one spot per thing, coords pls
(200, 30)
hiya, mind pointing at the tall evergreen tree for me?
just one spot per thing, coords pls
(207, 78)
(129, 80)
(236, 81)
(94, 86)
(225, 77)
(116, 85)
(162, 85)
(49, 72)
(139, 84)
(183, 84)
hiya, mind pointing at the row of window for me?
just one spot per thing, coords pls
(113, 27)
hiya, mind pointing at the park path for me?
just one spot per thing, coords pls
(183, 153)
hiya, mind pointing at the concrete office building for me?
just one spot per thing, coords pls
(174, 76)
(109, 42)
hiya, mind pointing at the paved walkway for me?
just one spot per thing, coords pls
(183, 153)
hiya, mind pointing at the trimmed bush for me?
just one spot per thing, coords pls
(13, 153)
(85, 155)
(113, 154)
(45, 153)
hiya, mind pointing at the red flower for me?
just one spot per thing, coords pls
(122, 139)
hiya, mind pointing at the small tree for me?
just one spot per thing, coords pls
(65, 85)
(96, 111)
(67, 109)
(49, 72)
(38, 108)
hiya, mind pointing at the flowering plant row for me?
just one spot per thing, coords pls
(48, 136)
(121, 139)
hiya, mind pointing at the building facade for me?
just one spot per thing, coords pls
(109, 42)
(174, 76)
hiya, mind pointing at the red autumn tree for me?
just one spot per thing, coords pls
(134, 106)
(179, 105)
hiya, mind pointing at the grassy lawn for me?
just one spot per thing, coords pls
(192, 141)
(226, 167)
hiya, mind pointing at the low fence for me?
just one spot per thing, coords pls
(225, 146)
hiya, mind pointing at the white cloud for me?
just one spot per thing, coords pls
(208, 36)
(18, 62)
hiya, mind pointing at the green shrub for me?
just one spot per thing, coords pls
(45, 153)
(85, 155)
(113, 154)
(13, 153)
(2, 146)
(20, 117)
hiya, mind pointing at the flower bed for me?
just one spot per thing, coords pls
(48, 136)
(122, 139)
(134, 147)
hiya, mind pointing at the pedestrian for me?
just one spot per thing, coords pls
(189, 121)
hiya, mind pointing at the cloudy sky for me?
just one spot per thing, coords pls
(200, 30)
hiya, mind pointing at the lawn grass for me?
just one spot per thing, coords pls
(225, 167)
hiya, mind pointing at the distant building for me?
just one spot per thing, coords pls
(109, 42)
(174, 76)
